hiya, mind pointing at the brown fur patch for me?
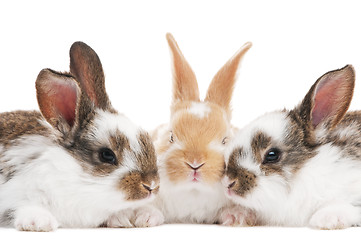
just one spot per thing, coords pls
(147, 159)
(245, 180)
(132, 186)
(13, 127)
(349, 142)
(259, 144)
(136, 184)
(20, 123)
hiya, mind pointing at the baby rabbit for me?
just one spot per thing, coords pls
(77, 163)
(302, 167)
(190, 148)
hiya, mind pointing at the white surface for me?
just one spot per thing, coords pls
(176, 232)
(293, 45)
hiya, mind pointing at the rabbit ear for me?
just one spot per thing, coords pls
(58, 96)
(329, 98)
(185, 86)
(85, 65)
(221, 88)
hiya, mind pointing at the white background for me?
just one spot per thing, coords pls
(293, 44)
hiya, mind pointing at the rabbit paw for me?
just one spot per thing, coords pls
(237, 216)
(148, 217)
(335, 217)
(122, 219)
(35, 219)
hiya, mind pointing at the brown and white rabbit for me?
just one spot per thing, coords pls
(77, 162)
(190, 148)
(302, 167)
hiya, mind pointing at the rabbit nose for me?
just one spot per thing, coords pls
(195, 166)
(150, 188)
(231, 184)
(228, 183)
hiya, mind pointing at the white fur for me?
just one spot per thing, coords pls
(199, 109)
(31, 218)
(273, 124)
(56, 183)
(217, 145)
(325, 193)
(190, 203)
(148, 217)
(121, 219)
(108, 123)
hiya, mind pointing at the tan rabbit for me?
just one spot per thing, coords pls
(190, 148)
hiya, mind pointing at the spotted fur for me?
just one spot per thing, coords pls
(51, 170)
(315, 181)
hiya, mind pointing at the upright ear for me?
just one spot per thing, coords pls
(85, 65)
(221, 88)
(185, 86)
(329, 98)
(58, 97)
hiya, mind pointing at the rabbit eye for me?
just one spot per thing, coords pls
(171, 138)
(107, 156)
(272, 156)
(225, 140)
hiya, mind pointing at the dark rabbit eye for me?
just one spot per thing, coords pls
(225, 140)
(107, 156)
(272, 156)
(171, 139)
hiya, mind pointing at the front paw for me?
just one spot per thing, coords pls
(122, 219)
(237, 216)
(335, 217)
(35, 219)
(148, 217)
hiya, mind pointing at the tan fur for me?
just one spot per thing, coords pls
(185, 86)
(196, 134)
(221, 88)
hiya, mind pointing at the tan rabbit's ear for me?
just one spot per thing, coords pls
(185, 86)
(328, 99)
(221, 88)
(58, 97)
(85, 65)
